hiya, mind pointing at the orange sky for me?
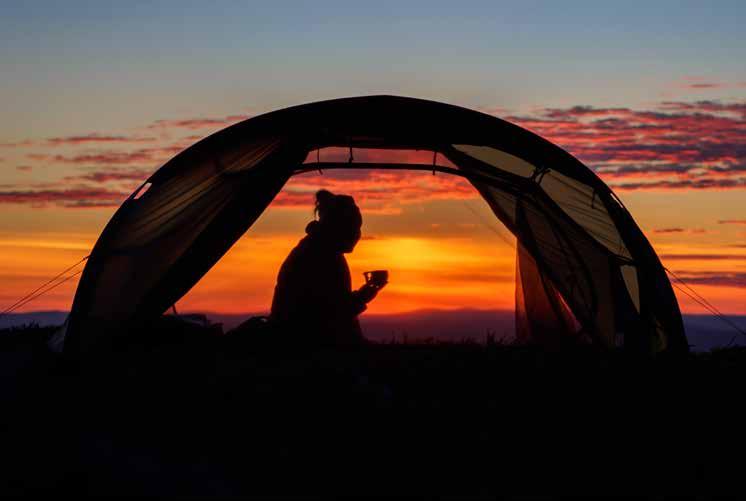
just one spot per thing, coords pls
(440, 255)
(96, 95)
(678, 166)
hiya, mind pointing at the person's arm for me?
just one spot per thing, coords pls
(334, 288)
(367, 293)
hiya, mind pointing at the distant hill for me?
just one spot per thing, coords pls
(704, 332)
(42, 318)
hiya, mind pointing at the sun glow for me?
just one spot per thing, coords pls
(424, 273)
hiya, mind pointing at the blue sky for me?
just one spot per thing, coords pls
(82, 60)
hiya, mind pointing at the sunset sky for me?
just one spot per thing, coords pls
(651, 95)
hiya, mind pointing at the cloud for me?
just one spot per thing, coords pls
(722, 279)
(677, 145)
(17, 144)
(706, 85)
(141, 156)
(197, 123)
(24, 168)
(111, 175)
(702, 257)
(96, 138)
(695, 83)
(706, 106)
(107, 158)
(677, 230)
(377, 191)
(702, 184)
(732, 221)
(81, 197)
(659, 148)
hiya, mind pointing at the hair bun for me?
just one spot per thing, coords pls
(331, 206)
(324, 199)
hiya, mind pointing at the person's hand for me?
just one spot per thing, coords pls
(369, 291)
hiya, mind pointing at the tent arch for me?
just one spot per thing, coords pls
(580, 253)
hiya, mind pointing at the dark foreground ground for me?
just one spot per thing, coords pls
(212, 416)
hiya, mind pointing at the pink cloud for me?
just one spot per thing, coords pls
(678, 145)
(197, 123)
(18, 144)
(681, 145)
(377, 191)
(96, 138)
(110, 157)
(71, 198)
(143, 156)
(111, 175)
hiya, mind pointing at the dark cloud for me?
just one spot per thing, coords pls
(24, 168)
(732, 221)
(699, 184)
(677, 230)
(702, 257)
(705, 85)
(722, 279)
(736, 108)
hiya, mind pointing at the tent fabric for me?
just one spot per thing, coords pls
(585, 270)
(541, 315)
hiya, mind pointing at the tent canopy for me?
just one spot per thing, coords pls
(585, 271)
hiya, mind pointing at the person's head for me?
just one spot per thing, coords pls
(339, 221)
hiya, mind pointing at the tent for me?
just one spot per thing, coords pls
(585, 271)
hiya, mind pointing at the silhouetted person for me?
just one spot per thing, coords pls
(314, 302)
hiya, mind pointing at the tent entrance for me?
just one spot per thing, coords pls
(542, 315)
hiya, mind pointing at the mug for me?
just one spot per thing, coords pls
(376, 277)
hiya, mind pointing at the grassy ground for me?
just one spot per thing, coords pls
(198, 415)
